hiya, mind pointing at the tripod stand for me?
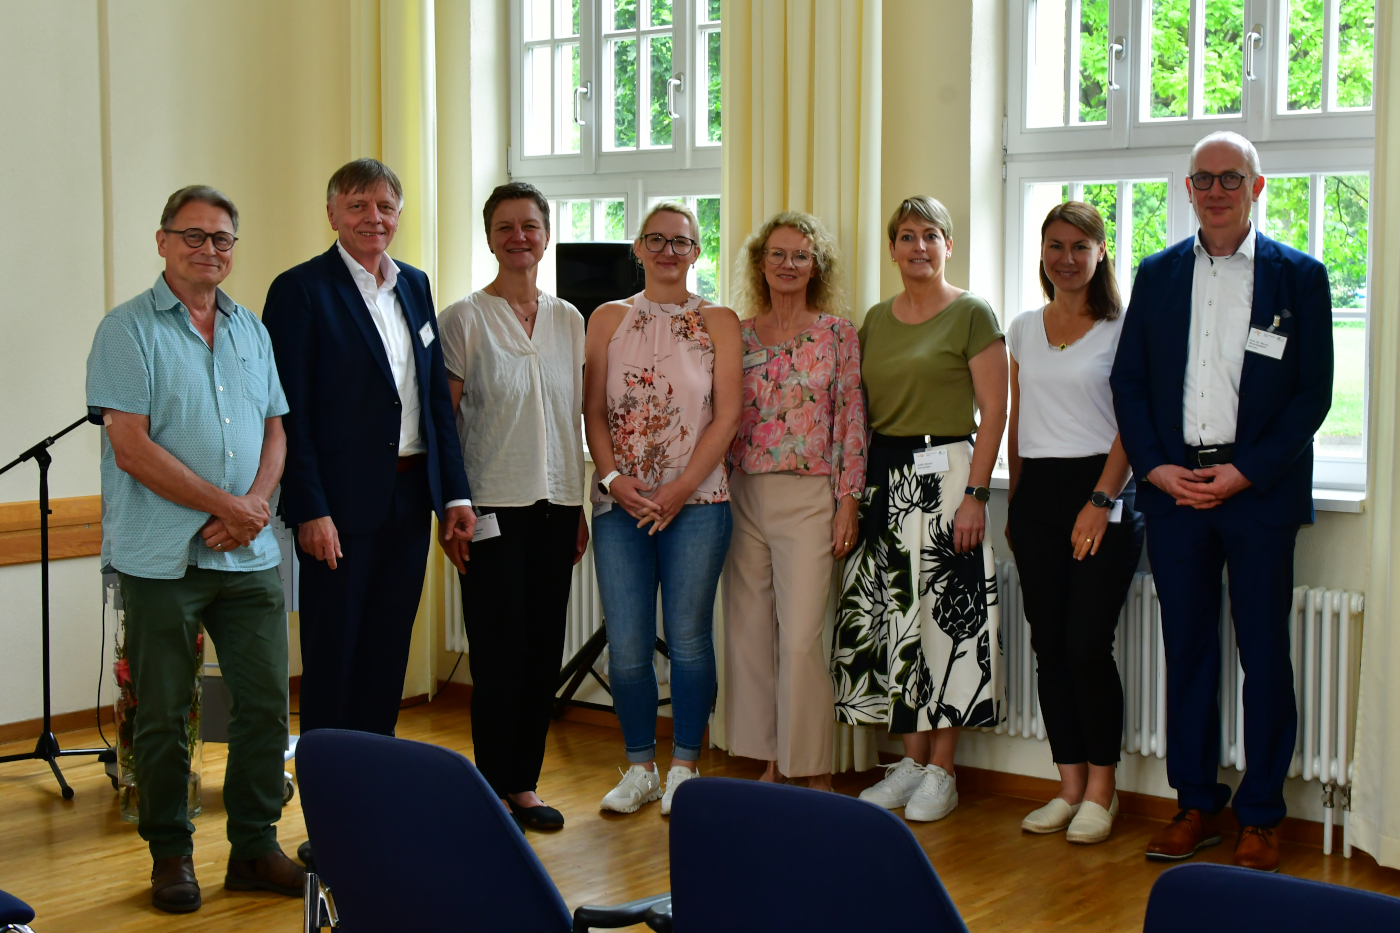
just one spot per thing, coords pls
(46, 749)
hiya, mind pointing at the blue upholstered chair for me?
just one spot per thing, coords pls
(409, 836)
(747, 856)
(1205, 898)
(15, 914)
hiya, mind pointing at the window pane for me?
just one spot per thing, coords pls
(1341, 433)
(1105, 198)
(709, 10)
(1345, 214)
(539, 102)
(712, 106)
(660, 64)
(1356, 36)
(580, 221)
(622, 62)
(1224, 57)
(1305, 54)
(613, 219)
(1171, 60)
(1045, 72)
(1093, 61)
(568, 80)
(660, 12)
(1149, 223)
(707, 266)
(537, 20)
(568, 18)
(1286, 211)
(623, 14)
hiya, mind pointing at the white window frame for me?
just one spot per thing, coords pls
(1126, 148)
(688, 152)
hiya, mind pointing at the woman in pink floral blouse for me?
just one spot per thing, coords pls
(798, 469)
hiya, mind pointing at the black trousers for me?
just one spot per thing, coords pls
(1073, 606)
(515, 599)
(356, 620)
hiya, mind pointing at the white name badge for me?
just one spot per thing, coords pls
(931, 460)
(601, 508)
(756, 358)
(425, 334)
(1266, 344)
(1115, 514)
(487, 527)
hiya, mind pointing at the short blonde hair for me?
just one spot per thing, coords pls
(672, 207)
(930, 210)
(825, 291)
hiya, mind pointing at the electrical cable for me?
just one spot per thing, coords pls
(102, 670)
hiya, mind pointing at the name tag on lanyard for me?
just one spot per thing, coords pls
(756, 358)
(930, 460)
(1266, 344)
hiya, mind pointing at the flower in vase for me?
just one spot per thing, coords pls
(122, 670)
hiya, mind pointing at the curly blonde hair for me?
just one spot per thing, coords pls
(826, 291)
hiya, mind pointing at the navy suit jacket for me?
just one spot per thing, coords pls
(343, 427)
(1282, 402)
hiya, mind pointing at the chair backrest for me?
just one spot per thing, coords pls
(748, 856)
(1205, 898)
(409, 836)
(13, 910)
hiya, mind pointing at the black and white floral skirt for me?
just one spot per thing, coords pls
(917, 643)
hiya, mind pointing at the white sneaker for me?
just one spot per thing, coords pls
(1051, 818)
(675, 778)
(898, 785)
(638, 786)
(935, 798)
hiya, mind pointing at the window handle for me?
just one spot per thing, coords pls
(1253, 41)
(583, 90)
(1116, 50)
(674, 84)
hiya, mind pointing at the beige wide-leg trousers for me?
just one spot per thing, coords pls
(777, 689)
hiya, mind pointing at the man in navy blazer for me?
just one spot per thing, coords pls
(372, 452)
(1223, 376)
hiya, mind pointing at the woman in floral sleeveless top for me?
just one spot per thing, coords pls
(662, 388)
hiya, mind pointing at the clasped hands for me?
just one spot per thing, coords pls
(1201, 489)
(238, 524)
(656, 506)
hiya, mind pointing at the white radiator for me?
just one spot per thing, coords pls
(1325, 635)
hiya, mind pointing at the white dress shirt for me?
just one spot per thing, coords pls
(1222, 300)
(522, 398)
(389, 319)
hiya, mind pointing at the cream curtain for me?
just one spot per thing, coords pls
(801, 127)
(1375, 816)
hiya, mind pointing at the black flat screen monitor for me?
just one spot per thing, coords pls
(590, 274)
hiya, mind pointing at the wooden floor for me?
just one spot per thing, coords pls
(81, 868)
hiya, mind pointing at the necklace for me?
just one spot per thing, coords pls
(524, 319)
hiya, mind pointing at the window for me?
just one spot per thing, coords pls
(616, 104)
(1106, 97)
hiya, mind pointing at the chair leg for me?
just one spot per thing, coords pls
(317, 906)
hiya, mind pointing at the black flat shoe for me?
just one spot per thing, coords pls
(544, 818)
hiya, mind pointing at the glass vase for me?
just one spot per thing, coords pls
(125, 709)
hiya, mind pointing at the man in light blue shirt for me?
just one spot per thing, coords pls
(192, 404)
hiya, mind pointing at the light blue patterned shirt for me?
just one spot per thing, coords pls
(206, 408)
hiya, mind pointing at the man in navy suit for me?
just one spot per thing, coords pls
(372, 452)
(1223, 376)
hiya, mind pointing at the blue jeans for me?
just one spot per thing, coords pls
(685, 559)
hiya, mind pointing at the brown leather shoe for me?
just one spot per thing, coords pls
(173, 885)
(1188, 831)
(270, 872)
(1257, 848)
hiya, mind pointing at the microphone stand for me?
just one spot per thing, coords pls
(47, 747)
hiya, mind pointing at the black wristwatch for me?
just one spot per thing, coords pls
(1101, 499)
(980, 493)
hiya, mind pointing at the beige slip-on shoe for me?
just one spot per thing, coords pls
(1051, 818)
(1092, 823)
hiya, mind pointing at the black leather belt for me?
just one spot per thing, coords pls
(1214, 455)
(412, 462)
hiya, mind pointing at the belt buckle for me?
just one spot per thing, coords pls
(1204, 458)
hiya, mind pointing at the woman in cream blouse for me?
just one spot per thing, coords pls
(514, 359)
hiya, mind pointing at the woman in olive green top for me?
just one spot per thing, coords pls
(916, 646)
